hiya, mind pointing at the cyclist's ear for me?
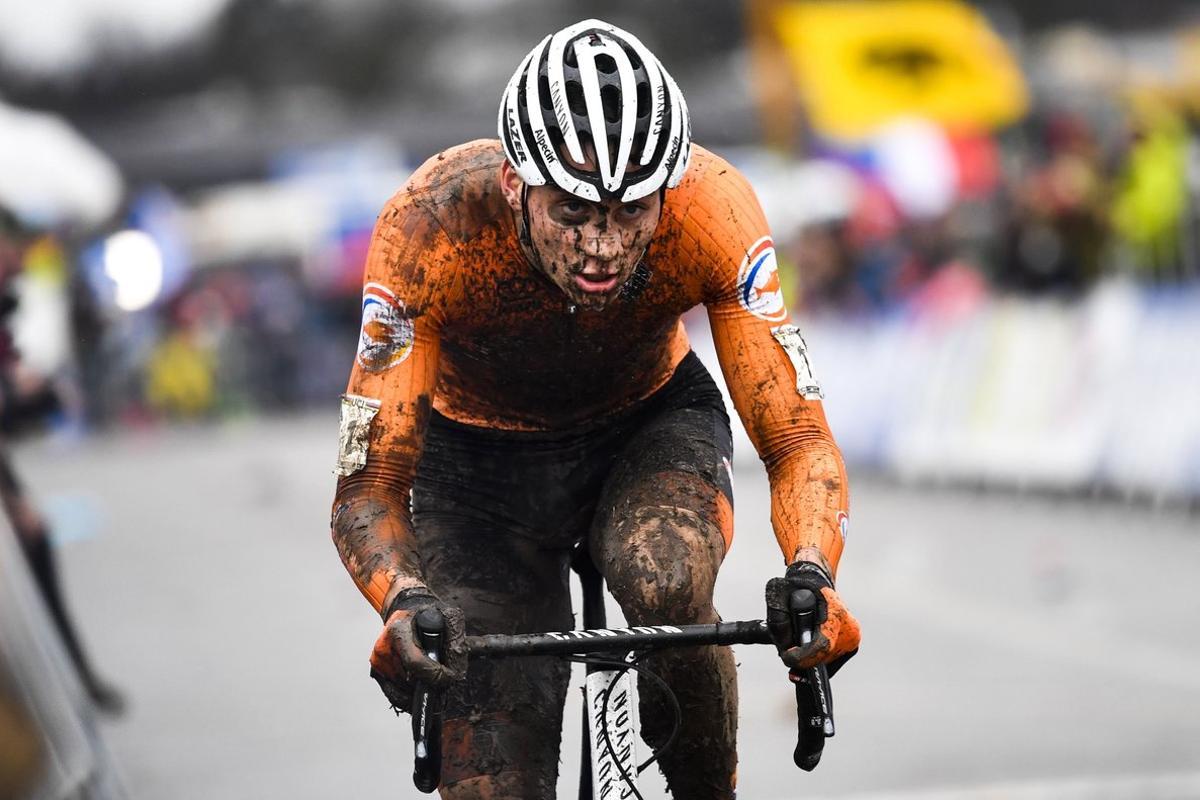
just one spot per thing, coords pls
(512, 185)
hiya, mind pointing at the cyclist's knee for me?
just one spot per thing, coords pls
(662, 565)
(500, 754)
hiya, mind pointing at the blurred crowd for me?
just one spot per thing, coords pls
(1049, 207)
(242, 297)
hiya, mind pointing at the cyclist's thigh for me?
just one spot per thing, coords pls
(502, 728)
(665, 518)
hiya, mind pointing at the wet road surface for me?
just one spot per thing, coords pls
(1014, 646)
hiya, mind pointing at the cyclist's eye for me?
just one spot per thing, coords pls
(632, 210)
(572, 212)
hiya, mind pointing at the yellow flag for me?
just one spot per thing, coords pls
(861, 63)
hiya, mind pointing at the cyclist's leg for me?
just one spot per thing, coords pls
(482, 551)
(500, 739)
(663, 524)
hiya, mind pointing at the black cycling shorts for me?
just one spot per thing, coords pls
(497, 515)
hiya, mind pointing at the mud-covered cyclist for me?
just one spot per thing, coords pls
(524, 383)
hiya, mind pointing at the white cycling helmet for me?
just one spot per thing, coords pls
(593, 83)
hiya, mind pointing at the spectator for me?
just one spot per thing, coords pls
(25, 397)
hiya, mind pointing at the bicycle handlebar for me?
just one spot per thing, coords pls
(607, 640)
(427, 707)
(814, 699)
(812, 694)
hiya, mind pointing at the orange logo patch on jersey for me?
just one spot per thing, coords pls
(759, 289)
(386, 337)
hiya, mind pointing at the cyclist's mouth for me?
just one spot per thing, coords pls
(600, 283)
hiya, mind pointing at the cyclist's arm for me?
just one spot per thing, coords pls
(760, 357)
(389, 399)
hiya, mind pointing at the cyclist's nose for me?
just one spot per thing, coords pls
(604, 246)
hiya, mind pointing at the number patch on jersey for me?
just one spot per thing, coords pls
(386, 337)
(354, 433)
(759, 289)
(792, 342)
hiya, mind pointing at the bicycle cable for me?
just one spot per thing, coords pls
(623, 667)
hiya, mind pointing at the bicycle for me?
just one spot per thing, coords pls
(610, 693)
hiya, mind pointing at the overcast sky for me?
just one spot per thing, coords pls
(53, 35)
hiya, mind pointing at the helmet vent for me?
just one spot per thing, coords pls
(643, 101)
(610, 97)
(575, 99)
(606, 64)
(639, 143)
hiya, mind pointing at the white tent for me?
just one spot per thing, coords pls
(50, 175)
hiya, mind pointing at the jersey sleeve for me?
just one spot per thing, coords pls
(408, 287)
(766, 365)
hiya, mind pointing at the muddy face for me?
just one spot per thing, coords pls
(588, 249)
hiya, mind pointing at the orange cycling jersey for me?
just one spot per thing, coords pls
(455, 319)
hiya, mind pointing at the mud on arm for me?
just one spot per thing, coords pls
(809, 496)
(387, 405)
(766, 366)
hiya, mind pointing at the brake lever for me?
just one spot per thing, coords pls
(428, 707)
(814, 699)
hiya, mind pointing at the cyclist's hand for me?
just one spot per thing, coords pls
(835, 632)
(398, 663)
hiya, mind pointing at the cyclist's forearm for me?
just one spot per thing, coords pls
(372, 530)
(809, 501)
(770, 379)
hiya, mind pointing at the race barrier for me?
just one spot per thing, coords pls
(1100, 393)
(43, 706)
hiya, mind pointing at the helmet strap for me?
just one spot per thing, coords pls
(524, 235)
(524, 232)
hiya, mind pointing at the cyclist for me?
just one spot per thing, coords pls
(523, 383)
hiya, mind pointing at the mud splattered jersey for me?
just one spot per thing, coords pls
(454, 318)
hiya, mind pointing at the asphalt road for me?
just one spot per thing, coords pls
(1013, 646)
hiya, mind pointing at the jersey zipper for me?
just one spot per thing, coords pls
(572, 323)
